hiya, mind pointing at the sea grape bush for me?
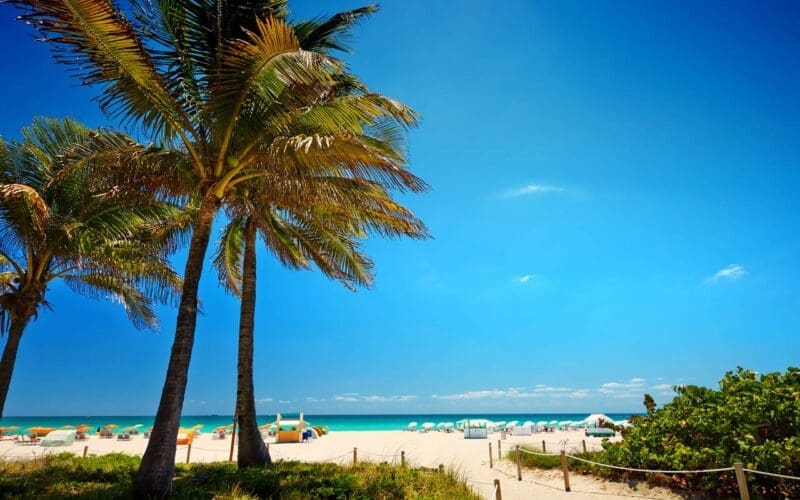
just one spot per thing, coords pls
(751, 418)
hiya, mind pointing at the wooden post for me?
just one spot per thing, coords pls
(744, 494)
(188, 452)
(565, 469)
(491, 464)
(441, 468)
(499, 456)
(402, 458)
(519, 466)
(355, 456)
(498, 495)
(85, 450)
(584, 445)
(233, 437)
(544, 446)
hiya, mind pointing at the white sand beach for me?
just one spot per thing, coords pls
(469, 457)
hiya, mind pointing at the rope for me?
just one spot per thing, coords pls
(529, 452)
(722, 469)
(378, 454)
(782, 476)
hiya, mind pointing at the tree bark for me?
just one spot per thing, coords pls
(15, 330)
(252, 451)
(154, 479)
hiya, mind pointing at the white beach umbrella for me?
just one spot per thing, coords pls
(412, 426)
(448, 425)
(527, 423)
(541, 423)
(594, 419)
(552, 422)
(428, 426)
(511, 424)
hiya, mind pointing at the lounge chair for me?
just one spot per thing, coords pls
(123, 436)
(106, 434)
(27, 440)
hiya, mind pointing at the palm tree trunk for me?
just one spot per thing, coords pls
(252, 451)
(154, 479)
(15, 330)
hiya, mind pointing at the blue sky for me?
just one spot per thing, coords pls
(615, 209)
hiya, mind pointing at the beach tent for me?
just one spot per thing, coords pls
(64, 437)
(594, 419)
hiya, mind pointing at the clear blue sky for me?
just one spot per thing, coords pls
(615, 207)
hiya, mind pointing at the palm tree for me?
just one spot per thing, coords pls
(324, 234)
(59, 220)
(216, 84)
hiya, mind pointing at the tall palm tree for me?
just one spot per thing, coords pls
(59, 220)
(217, 83)
(324, 234)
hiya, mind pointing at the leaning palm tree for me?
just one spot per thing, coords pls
(59, 220)
(325, 235)
(217, 85)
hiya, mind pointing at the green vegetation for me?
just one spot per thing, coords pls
(60, 220)
(751, 418)
(111, 476)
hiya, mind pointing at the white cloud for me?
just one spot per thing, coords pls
(263, 400)
(580, 393)
(525, 278)
(354, 397)
(731, 273)
(310, 399)
(662, 387)
(633, 383)
(539, 391)
(532, 189)
(284, 401)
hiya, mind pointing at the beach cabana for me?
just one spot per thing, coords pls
(476, 429)
(62, 437)
(293, 431)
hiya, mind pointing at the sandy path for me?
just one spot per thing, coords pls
(470, 458)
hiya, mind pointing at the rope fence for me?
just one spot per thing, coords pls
(737, 468)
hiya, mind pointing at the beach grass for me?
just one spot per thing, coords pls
(111, 477)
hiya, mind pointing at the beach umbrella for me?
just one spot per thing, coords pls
(68, 427)
(528, 423)
(552, 423)
(40, 431)
(110, 427)
(83, 427)
(428, 426)
(440, 426)
(541, 423)
(594, 419)
(448, 425)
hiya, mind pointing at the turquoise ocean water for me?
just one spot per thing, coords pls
(334, 422)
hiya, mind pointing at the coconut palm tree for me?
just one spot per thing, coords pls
(217, 84)
(59, 220)
(324, 234)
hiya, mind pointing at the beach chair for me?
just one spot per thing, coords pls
(123, 436)
(27, 440)
(106, 434)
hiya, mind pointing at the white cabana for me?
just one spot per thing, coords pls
(59, 438)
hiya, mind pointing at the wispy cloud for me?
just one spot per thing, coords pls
(524, 278)
(261, 401)
(354, 397)
(540, 391)
(532, 189)
(662, 387)
(625, 389)
(730, 273)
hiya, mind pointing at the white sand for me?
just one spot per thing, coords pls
(469, 457)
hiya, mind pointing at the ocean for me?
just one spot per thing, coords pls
(333, 422)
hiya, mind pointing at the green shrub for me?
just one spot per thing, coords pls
(753, 419)
(111, 476)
